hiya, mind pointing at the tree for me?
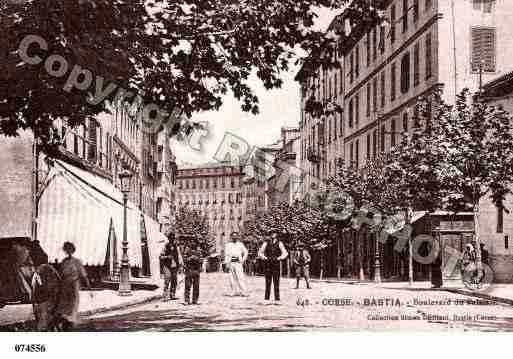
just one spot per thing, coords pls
(296, 223)
(192, 230)
(477, 141)
(181, 55)
(412, 170)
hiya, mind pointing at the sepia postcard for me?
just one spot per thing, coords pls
(255, 166)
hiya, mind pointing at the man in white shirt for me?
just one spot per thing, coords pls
(235, 256)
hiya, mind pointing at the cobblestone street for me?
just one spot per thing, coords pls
(328, 306)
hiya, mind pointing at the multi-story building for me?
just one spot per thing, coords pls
(385, 67)
(111, 142)
(285, 184)
(215, 190)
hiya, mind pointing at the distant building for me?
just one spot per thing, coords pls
(215, 190)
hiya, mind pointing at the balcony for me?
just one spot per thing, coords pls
(313, 155)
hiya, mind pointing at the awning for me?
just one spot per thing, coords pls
(395, 224)
(156, 242)
(78, 206)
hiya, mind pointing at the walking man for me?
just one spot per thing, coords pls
(192, 263)
(272, 252)
(302, 262)
(171, 261)
(235, 256)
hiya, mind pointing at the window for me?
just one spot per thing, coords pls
(405, 122)
(382, 36)
(484, 5)
(374, 40)
(193, 184)
(368, 44)
(341, 124)
(383, 90)
(207, 183)
(500, 219)
(416, 65)
(341, 80)
(351, 153)
(429, 4)
(405, 15)
(223, 182)
(506, 242)
(375, 93)
(429, 57)
(357, 153)
(392, 132)
(335, 87)
(329, 130)
(374, 143)
(382, 138)
(187, 184)
(483, 49)
(415, 10)
(357, 61)
(232, 183)
(405, 73)
(368, 146)
(368, 99)
(392, 82)
(335, 126)
(214, 182)
(357, 110)
(351, 68)
(350, 113)
(392, 24)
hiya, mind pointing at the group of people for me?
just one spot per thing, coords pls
(469, 273)
(272, 252)
(52, 289)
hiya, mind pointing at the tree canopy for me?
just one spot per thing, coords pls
(192, 230)
(181, 55)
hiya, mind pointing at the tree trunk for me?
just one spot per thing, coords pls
(479, 264)
(410, 249)
(339, 267)
(361, 274)
(322, 264)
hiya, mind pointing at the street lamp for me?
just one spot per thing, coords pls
(124, 289)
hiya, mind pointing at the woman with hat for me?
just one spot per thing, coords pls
(72, 272)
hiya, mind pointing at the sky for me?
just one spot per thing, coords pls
(278, 107)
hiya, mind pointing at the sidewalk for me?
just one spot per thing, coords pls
(102, 301)
(497, 292)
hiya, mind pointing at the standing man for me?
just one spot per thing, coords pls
(171, 261)
(192, 263)
(302, 261)
(272, 252)
(235, 256)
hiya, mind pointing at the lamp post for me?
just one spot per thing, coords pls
(124, 289)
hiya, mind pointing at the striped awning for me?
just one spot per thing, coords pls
(78, 206)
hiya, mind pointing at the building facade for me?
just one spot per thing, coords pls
(384, 68)
(215, 190)
(425, 45)
(109, 143)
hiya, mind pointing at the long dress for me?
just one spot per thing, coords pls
(72, 271)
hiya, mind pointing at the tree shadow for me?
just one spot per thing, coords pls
(175, 320)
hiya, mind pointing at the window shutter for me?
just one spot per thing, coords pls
(483, 49)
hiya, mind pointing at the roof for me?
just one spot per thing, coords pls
(500, 86)
(191, 166)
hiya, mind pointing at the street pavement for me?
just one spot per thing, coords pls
(328, 306)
